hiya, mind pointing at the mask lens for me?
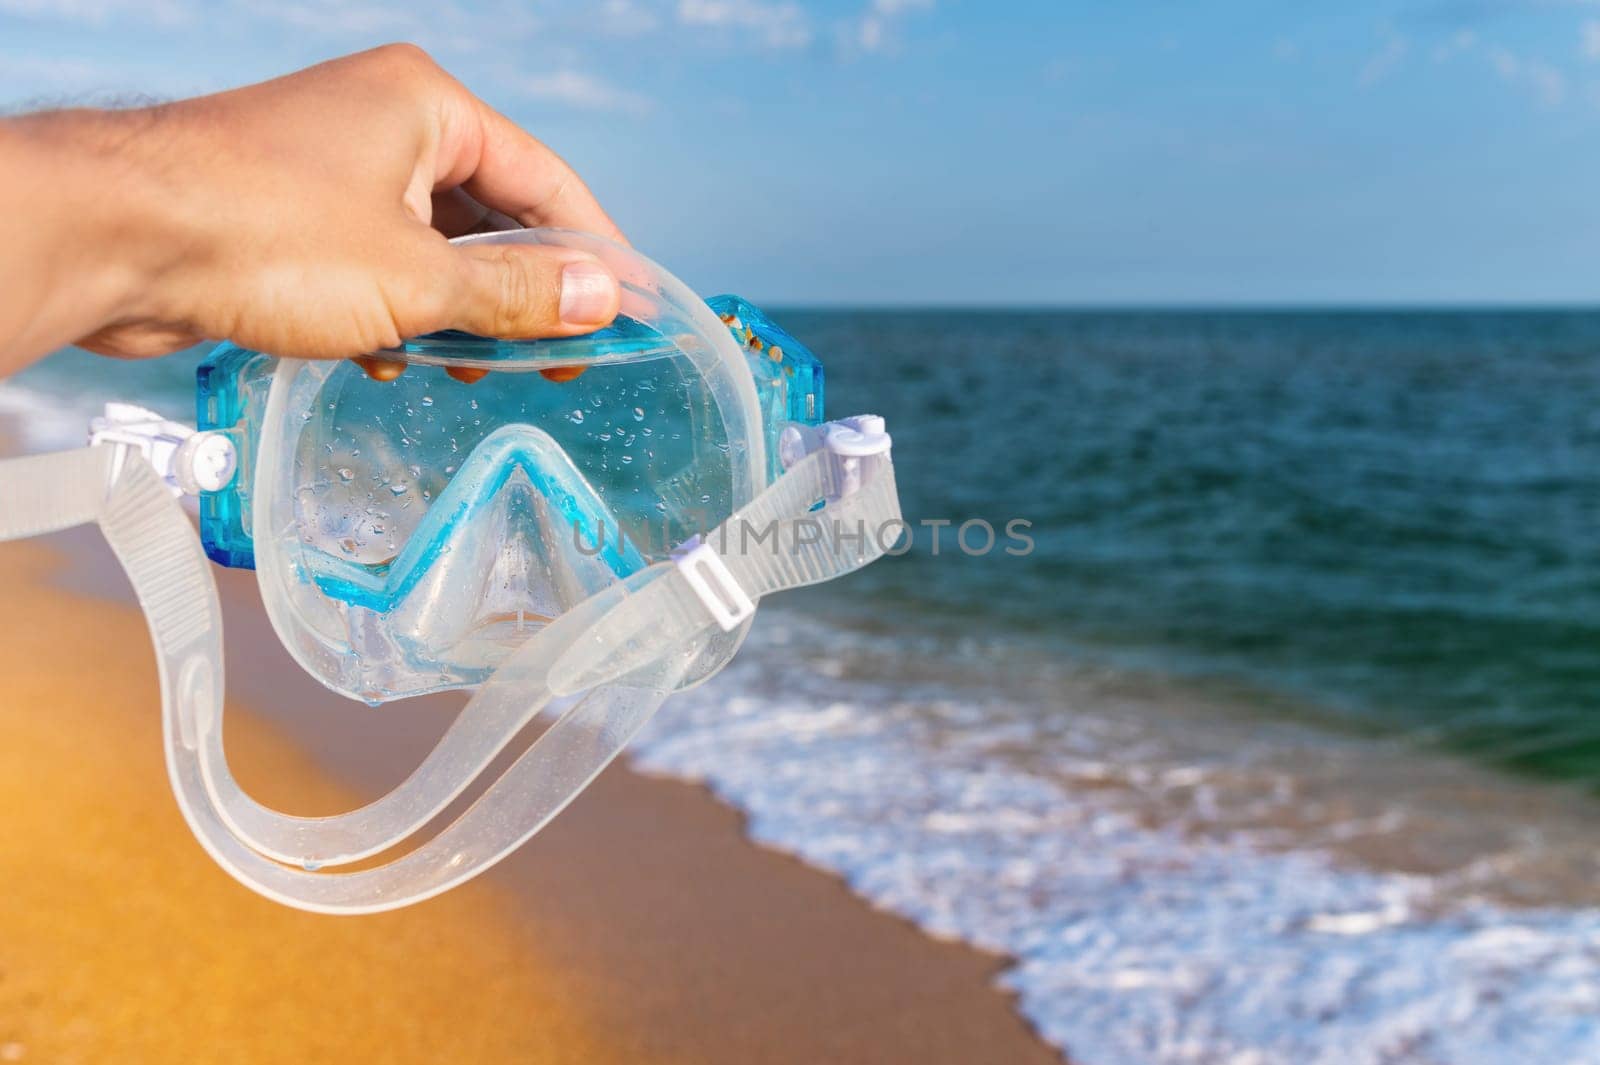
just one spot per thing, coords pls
(376, 459)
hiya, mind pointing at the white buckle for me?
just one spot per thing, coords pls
(858, 436)
(714, 584)
(849, 440)
(189, 462)
(852, 442)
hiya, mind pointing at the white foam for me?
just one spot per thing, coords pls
(1145, 928)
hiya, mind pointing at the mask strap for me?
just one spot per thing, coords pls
(610, 635)
(500, 709)
(158, 548)
(156, 544)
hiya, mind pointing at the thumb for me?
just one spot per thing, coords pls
(520, 291)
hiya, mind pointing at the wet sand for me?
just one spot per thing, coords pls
(641, 926)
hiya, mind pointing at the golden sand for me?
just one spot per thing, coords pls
(120, 941)
(641, 926)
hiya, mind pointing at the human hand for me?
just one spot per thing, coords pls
(305, 216)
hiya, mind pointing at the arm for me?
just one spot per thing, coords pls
(306, 216)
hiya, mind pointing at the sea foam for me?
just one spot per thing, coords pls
(1161, 905)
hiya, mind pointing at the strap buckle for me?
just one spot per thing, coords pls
(189, 462)
(713, 583)
(855, 444)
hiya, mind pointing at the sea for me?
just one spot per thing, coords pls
(1238, 675)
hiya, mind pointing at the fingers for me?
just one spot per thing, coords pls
(494, 159)
(456, 214)
(524, 178)
(519, 290)
(388, 370)
(503, 290)
(380, 369)
(139, 341)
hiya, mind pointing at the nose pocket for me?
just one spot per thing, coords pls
(516, 538)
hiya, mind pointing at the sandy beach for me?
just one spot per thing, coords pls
(642, 926)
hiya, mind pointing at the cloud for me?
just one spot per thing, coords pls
(583, 91)
(776, 25)
(549, 51)
(1385, 61)
(1458, 42)
(1478, 12)
(1506, 63)
(1590, 34)
(1548, 85)
(29, 82)
(874, 29)
(625, 18)
(344, 19)
(60, 74)
(1545, 81)
(99, 12)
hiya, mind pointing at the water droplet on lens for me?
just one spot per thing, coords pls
(346, 473)
(427, 401)
(399, 488)
(576, 416)
(638, 414)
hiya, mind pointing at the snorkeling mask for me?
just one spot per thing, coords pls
(585, 530)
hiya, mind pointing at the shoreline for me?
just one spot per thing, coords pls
(672, 936)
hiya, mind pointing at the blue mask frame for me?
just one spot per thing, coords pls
(232, 384)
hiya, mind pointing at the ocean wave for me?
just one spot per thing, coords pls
(1173, 886)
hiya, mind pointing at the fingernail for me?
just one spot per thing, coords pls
(467, 375)
(588, 292)
(380, 369)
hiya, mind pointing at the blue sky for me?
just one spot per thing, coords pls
(941, 151)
